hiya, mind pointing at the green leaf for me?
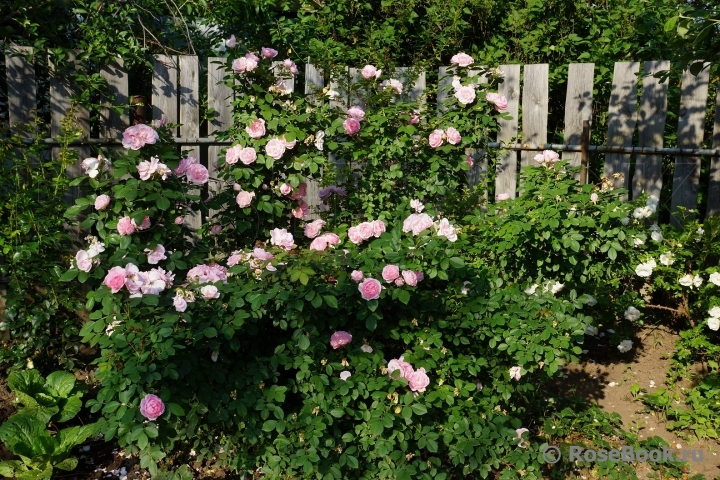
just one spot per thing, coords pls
(269, 425)
(303, 342)
(69, 275)
(419, 408)
(142, 440)
(331, 301)
(71, 408)
(457, 262)
(336, 412)
(62, 383)
(176, 409)
(376, 427)
(162, 203)
(68, 464)
(404, 296)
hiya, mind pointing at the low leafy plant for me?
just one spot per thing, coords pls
(32, 433)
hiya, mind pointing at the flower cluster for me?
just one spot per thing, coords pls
(689, 280)
(93, 166)
(193, 170)
(85, 259)
(437, 137)
(246, 155)
(417, 379)
(714, 320)
(138, 283)
(366, 230)
(645, 269)
(137, 136)
(351, 125)
(500, 101)
(392, 274)
(148, 169)
(547, 158)
(369, 71)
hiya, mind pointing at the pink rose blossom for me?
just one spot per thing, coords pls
(418, 380)
(302, 211)
(233, 154)
(244, 199)
(207, 274)
(357, 276)
(115, 279)
(282, 238)
(179, 303)
(251, 62)
(594, 197)
(161, 122)
(499, 100)
(356, 112)
(417, 222)
(198, 174)
(239, 65)
(345, 374)
(83, 260)
(446, 230)
(155, 255)
(465, 94)
(268, 52)
(275, 148)
(126, 226)
(366, 230)
(469, 161)
(515, 373)
(216, 229)
(301, 192)
(340, 339)
(324, 241)
(179, 220)
(410, 277)
(101, 202)
(354, 235)
(153, 282)
(420, 275)
(378, 228)
(313, 228)
(370, 289)
(462, 59)
(436, 138)
(231, 42)
(256, 129)
(248, 155)
(151, 407)
(351, 126)
(453, 136)
(399, 364)
(393, 85)
(262, 254)
(137, 136)
(417, 205)
(134, 279)
(415, 118)
(390, 273)
(369, 71)
(144, 225)
(399, 282)
(286, 189)
(502, 196)
(210, 292)
(184, 165)
(291, 67)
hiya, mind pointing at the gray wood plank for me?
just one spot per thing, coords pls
(417, 91)
(220, 98)
(445, 88)
(578, 107)
(691, 126)
(20, 75)
(622, 119)
(653, 113)
(506, 168)
(314, 81)
(188, 91)
(165, 88)
(61, 91)
(112, 123)
(713, 206)
(534, 109)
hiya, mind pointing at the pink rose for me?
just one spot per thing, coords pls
(399, 364)
(370, 289)
(354, 235)
(415, 118)
(436, 138)
(469, 161)
(101, 202)
(462, 60)
(392, 84)
(248, 155)
(262, 254)
(275, 148)
(410, 277)
(179, 220)
(417, 222)
(291, 67)
(593, 198)
(151, 407)
(137, 136)
(301, 192)
(301, 211)
(155, 255)
(502, 196)
(515, 373)
(499, 100)
(369, 71)
(378, 227)
(351, 126)
(453, 136)
(256, 129)
(126, 226)
(231, 42)
(399, 282)
(210, 292)
(216, 229)
(357, 276)
(366, 230)
(465, 94)
(356, 112)
(83, 260)
(340, 339)
(239, 65)
(179, 303)
(198, 174)
(233, 154)
(418, 380)
(244, 199)
(268, 52)
(313, 228)
(115, 279)
(319, 244)
(420, 275)
(184, 165)
(390, 273)
(251, 62)
(282, 238)
(286, 189)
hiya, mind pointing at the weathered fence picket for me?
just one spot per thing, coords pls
(176, 96)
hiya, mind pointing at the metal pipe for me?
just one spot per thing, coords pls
(690, 152)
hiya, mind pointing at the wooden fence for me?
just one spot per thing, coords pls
(176, 95)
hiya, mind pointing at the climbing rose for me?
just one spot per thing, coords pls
(184, 165)
(515, 373)
(340, 339)
(209, 292)
(465, 94)
(115, 279)
(356, 112)
(256, 129)
(231, 42)
(83, 260)
(137, 136)
(344, 375)
(417, 222)
(155, 255)
(244, 199)
(248, 155)
(101, 202)
(275, 148)
(313, 228)
(357, 275)
(369, 71)
(268, 52)
(286, 189)
(498, 100)
(390, 273)
(378, 227)
(366, 230)
(370, 289)
(198, 174)
(282, 238)
(436, 138)
(461, 59)
(418, 380)
(232, 155)
(410, 277)
(453, 136)
(125, 226)
(351, 126)
(151, 407)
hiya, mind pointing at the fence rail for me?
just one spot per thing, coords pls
(638, 103)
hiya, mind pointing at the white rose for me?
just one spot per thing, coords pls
(625, 346)
(644, 270)
(686, 280)
(632, 314)
(697, 281)
(668, 259)
(715, 278)
(714, 312)
(657, 236)
(713, 323)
